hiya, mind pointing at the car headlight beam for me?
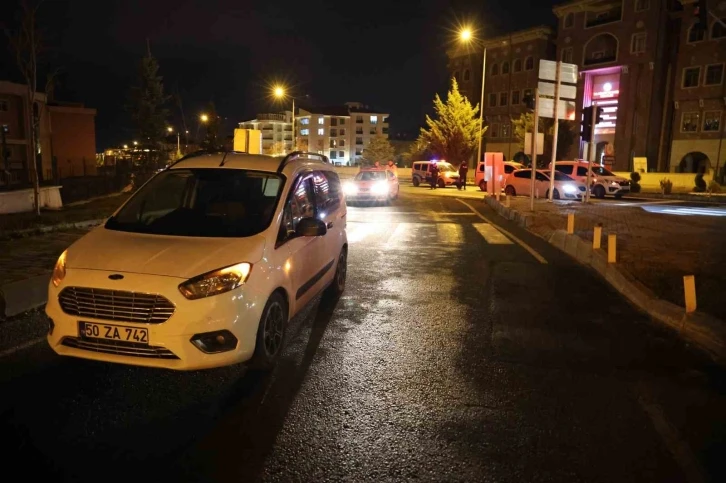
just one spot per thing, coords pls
(380, 188)
(569, 188)
(216, 282)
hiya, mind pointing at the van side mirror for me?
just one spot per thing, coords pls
(311, 227)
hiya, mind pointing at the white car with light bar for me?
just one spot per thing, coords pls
(602, 181)
(205, 265)
(519, 183)
(372, 184)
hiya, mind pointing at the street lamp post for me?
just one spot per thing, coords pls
(466, 36)
(279, 93)
(178, 142)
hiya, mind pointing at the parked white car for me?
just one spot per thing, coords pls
(604, 182)
(519, 183)
(204, 265)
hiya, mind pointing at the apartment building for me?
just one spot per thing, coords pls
(656, 71)
(340, 132)
(699, 94)
(276, 131)
(512, 66)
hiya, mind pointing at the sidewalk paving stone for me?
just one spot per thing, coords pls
(657, 249)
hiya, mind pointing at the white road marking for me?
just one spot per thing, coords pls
(450, 233)
(677, 446)
(531, 250)
(13, 350)
(491, 234)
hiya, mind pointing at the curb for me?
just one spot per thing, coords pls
(704, 331)
(51, 228)
(23, 295)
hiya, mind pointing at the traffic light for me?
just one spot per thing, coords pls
(598, 115)
(701, 11)
(586, 124)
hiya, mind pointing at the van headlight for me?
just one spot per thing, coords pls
(350, 188)
(216, 282)
(59, 271)
(570, 189)
(380, 188)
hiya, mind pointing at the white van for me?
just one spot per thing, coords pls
(604, 182)
(421, 173)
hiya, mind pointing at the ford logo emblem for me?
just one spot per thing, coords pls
(116, 276)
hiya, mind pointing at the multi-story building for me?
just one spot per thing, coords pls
(512, 65)
(698, 91)
(341, 132)
(655, 70)
(276, 131)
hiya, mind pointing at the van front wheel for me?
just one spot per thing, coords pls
(416, 181)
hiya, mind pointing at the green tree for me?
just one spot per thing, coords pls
(378, 149)
(565, 136)
(146, 105)
(454, 134)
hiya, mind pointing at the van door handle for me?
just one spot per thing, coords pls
(330, 225)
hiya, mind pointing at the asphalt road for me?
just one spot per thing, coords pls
(462, 351)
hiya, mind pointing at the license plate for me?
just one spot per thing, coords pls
(92, 330)
(364, 190)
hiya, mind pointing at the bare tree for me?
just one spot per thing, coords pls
(25, 44)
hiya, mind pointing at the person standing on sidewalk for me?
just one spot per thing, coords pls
(434, 176)
(463, 171)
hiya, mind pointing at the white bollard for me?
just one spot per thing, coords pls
(570, 223)
(612, 248)
(507, 201)
(597, 237)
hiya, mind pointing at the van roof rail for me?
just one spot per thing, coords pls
(298, 154)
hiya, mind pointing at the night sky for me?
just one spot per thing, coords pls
(388, 54)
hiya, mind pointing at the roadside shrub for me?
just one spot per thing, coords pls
(666, 186)
(714, 187)
(635, 182)
(700, 183)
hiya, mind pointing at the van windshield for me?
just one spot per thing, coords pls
(202, 203)
(445, 167)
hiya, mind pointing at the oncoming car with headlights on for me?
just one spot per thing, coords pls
(204, 265)
(373, 185)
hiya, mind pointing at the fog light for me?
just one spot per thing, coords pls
(51, 326)
(215, 342)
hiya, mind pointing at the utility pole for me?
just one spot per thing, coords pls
(555, 131)
(535, 128)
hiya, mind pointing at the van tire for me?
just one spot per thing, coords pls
(416, 181)
(441, 183)
(483, 185)
(598, 191)
(337, 286)
(270, 333)
(510, 191)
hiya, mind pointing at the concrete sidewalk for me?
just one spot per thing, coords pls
(27, 264)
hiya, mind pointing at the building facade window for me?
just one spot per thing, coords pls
(492, 100)
(321, 120)
(333, 121)
(569, 20)
(495, 69)
(529, 63)
(342, 132)
(718, 31)
(689, 122)
(358, 151)
(495, 130)
(466, 75)
(359, 130)
(321, 132)
(359, 119)
(374, 119)
(359, 140)
(341, 154)
(515, 98)
(642, 5)
(505, 130)
(696, 33)
(691, 77)
(332, 154)
(505, 67)
(305, 121)
(372, 131)
(304, 132)
(712, 121)
(341, 121)
(341, 143)
(714, 75)
(517, 65)
(333, 132)
(333, 144)
(566, 56)
(503, 98)
(527, 93)
(638, 43)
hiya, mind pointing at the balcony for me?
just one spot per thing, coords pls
(596, 19)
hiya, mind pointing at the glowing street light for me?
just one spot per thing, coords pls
(466, 36)
(204, 118)
(136, 143)
(170, 129)
(279, 92)
(126, 146)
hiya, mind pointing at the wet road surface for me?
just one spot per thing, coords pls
(461, 351)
